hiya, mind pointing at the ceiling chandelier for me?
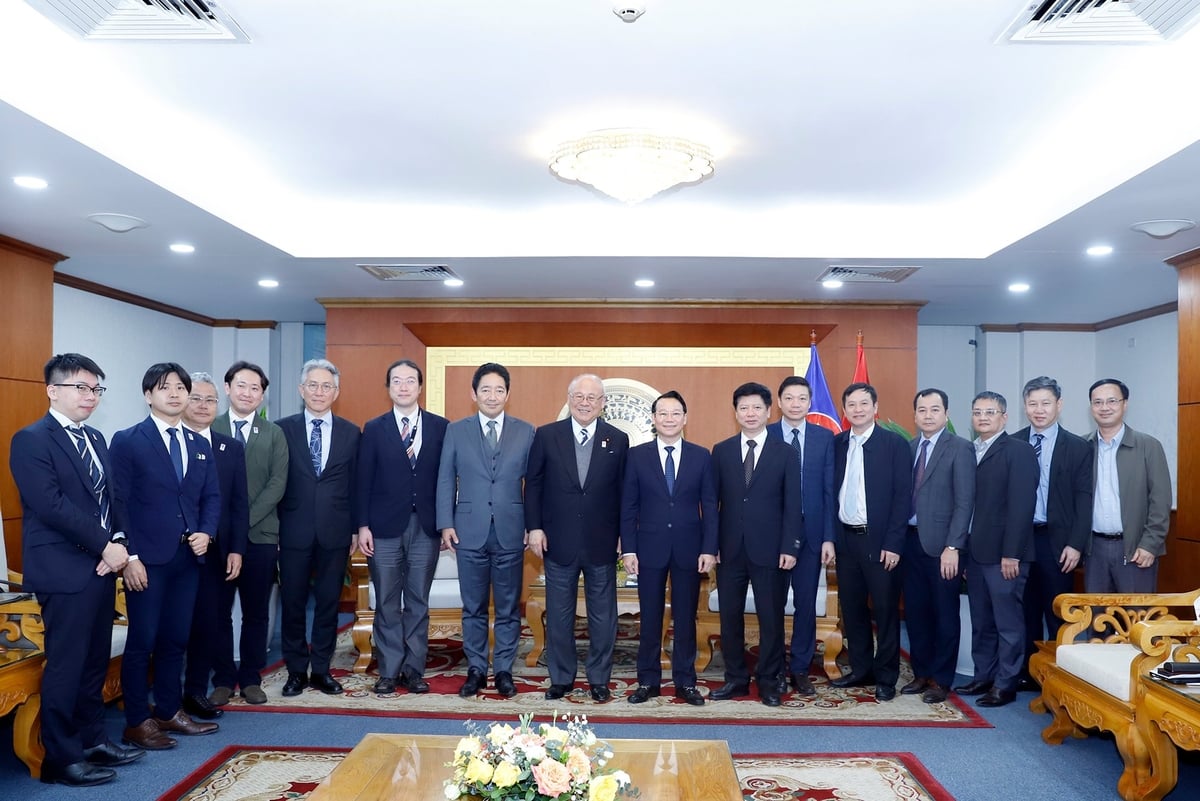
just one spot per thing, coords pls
(631, 165)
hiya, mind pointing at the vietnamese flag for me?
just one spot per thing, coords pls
(860, 374)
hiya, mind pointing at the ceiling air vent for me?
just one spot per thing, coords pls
(179, 20)
(1102, 21)
(409, 272)
(862, 274)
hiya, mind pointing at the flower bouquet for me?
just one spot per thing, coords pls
(535, 763)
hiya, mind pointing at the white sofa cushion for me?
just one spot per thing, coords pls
(444, 592)
(1105, 666)
(714, 602)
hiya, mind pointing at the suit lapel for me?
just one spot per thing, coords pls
(994, 447)
(566, 447)
(150, 431)
(67, 443)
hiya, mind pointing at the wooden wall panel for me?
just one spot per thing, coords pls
(1189, 334)
(1180, 568)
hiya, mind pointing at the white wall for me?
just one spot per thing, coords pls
(946, 360)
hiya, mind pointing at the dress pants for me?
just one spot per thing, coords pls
(600, 598)
(209, 641)
(685, 595)
(160, 619)
(866, 589)
(997, 623)
(1107, 570)
(734, 575)
(253, 585)
(931, 606)
(78, 642)
(402, 571)
(495, 571)
(327, 569)
(1046, 582)
(803, 580)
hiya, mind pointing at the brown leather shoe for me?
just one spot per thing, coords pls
(182, 724)
(147, 735)
(917, 685)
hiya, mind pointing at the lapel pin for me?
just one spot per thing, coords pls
(200, 457)
(254, 429)
(222, 446)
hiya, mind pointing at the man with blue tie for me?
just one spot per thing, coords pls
(168, 491)
(73, 544)
(813, 446)
(668, 530)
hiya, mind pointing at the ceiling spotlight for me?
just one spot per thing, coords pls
(268, 283)
(644, 283)
(831, 283)
(183, 247)
(1019, 286)
(1162, 229)
(453, 282)
(118, 223)
(1099, 250)
(629, 11)
(30, 182)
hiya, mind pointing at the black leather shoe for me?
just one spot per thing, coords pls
(414, 683)
(326, 683)
(995, 697)
(690, 695)
(974, 688)
(600, 693)
(385, 686)
(852, 680)
(770, 698)
(803, 685)
(505, 685)
(475, 682)
(110, 755)
(77, 774)
(644, 693)
(885, 692)
(915, 686)
(557, 691)
(198, 706)
(730, 690)
(1027, 685)
(295, 684)
(935, 694)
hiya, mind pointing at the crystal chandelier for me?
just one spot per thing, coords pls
(629, 164)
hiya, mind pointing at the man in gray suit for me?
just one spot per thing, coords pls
(942, 500)
(1131, 506)
(481, 514)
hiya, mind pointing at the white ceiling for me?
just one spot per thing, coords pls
(857, 131)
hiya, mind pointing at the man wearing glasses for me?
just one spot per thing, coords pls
(1131, 504)
(317, 527)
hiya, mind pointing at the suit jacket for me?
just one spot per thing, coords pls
(389, 487)
(818, 498)
(765, 519)
(1144, 486)
(61, 537)
(1069, 498)
(475, 487)
(946, 497)
(662, 528)
(1006, 481)
(233, 530)
(157, 507)
(887, 476)
(581, 522)
(319, 509)
(266, 475)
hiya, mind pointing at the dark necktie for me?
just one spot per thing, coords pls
(1037, 446)
(237, 432)
(583, 437)
(799, 446)
(748, 464)
(918, 475)
(314, 446)
(670, 470)
(176, 453)
(99, 485)
(407, 435)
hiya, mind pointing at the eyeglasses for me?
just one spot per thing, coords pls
(404, 382)
(579, 397)
(84, 389)
(1102, 403)
(313, 386)
(200, 400)
(986, 412)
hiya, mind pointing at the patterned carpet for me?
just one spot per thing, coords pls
(241, 773)
(446, 670)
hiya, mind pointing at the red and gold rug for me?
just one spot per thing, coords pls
(241, 773)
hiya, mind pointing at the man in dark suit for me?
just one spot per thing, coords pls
(1062, 516)
(210, 642)
(168, 491)
(668, 530)
(573, 514)
(872, 469)
(999, 552)
(482, 518)
(942, 499)
(398, 459)
(266, 478)
(760, 519)
(813, 446)
(72, 545)
(317, 530)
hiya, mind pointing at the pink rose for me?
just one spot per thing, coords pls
(578, 764)
(553, 778)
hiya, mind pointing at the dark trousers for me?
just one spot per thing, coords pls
(804, 579)
(326, 567)
(209, 641)
(402, 572)
(652, 598)
(734, 575)
(253, 586)
(997, 623)
(160, 619)
(1107, 570)
(866, 589)
(496, 572)
(931, 608)
(600, 598)
(78, 641)
(1046, 582)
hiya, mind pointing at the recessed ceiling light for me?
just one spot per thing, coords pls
(183, 247)
(1020, 286)
(831, 283)
(644, 283)
(1099, 250)
(268, 283)
(453, 282)
(30, 182)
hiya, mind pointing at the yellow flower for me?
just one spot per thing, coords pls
(479, 771)
(500, 733)
(467, 747)
(554, 733)
(506, 774)
(603, 788)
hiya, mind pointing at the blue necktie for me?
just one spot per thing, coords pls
(670, 472)
(237, 433)
(1037, 446)
(99, 485)
(314, 446)
(176, 454)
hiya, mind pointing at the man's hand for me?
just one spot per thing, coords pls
(1142, 558)
(135, 576)
(449, 539)
(631, 563)
(949, 564)
(889, 560)
(786, 561)
(1010, 568)
(113, 558)
(828, 553)
(1069, 559)
(366, 541)
(536, 541)
(198, 541)
(233, 566)
(706, 562)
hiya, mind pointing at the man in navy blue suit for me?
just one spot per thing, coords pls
(813, 446)
(398, 458)
(167, 489)
(73, 543)
(211, 640)
(668, 530)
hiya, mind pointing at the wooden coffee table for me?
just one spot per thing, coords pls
(389, 766)
(627, 604)
(1168, 716)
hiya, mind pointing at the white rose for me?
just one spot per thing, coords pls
(452, 792)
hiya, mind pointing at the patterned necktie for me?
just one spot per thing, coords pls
(748, 464)
(406, 435)
(1037, 446)
(99, 485)
(918, 475)
(237, 425)
(493, 441)
(583, 437)
(314, 446)
(670, 470)
(176, 453)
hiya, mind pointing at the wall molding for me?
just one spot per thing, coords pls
(623, 303)
(1089, 328)
(24, 248)
(93, 288)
